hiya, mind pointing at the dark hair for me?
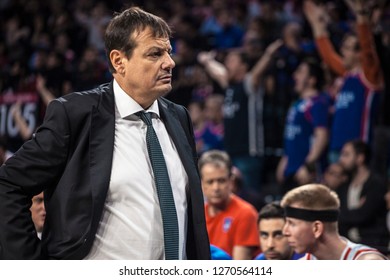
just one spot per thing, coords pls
(315, 70)
(120, 30)
(361, 148)
(271, 210)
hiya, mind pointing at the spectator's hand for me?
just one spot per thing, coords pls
(204, 57)
(16, 110)
(356, 6)
(280, 170)
(40, 83)
(303, 176)
(315, 14)
(273, 47)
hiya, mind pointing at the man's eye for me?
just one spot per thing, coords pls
(278, 236)
(222, 181)
(155, 54)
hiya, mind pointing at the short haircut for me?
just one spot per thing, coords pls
(271, 210)
(217, 158)
(361, 148)
(315, 70)
(313, 197)
(119, 32)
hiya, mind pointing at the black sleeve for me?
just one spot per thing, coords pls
(37, 165)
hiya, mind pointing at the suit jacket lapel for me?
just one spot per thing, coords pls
(101, 147)
(176, 132)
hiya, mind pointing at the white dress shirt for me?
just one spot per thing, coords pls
(131, 224)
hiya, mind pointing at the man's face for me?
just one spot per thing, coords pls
(334, 176)
(350, 52)
(273, 243)
(348, 158)
(301, 78)
(38, 212)
(234, 65)
(147, 73)
(213, 110)
(299, 234)
(216, 184)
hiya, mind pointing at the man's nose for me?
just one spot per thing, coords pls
(285, 230)
(270, 242)
(168, 63)
(215, 184)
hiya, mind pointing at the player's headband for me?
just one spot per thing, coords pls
(312, 215)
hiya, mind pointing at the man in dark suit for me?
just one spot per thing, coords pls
(362, 206)
(90, 157)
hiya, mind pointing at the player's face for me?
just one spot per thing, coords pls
(299, 235)
(273, 243)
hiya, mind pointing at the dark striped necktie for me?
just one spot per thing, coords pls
(164, 190)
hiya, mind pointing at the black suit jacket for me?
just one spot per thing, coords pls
(70, 157)
(370, 218)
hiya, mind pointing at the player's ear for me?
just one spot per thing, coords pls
(318, 228)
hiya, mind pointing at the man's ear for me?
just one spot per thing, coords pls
(116, 58)
(318, 228)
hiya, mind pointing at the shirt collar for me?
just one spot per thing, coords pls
(127, 106)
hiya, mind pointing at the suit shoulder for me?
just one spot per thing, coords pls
(86, 96)
(179, 109)
(169, 103)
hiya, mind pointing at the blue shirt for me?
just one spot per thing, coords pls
(355, 109)
(295, 256)
(303, 117)
(218, 254)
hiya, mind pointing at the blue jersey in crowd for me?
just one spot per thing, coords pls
(303, 117)
(355, 110)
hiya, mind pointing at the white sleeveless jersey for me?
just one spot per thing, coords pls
(351, 252)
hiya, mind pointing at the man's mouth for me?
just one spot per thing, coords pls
(165, 78)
